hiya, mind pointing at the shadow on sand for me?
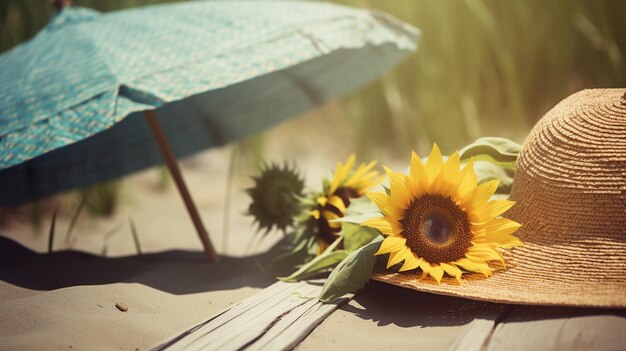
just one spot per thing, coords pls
(387, 304)
(176, 272)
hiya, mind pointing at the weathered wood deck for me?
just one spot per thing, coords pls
(283, 316)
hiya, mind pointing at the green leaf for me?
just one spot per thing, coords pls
(318, 264)
(360, 210)
(360, 205)
(358, 219)
(500, 149)
(486, 171)
(352, 273)
(355, 236)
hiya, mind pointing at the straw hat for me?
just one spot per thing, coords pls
(570, 189)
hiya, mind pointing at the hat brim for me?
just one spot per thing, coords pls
(535, 274)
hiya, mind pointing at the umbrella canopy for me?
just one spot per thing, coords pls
(213, 71)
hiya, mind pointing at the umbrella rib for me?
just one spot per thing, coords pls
(172, 165)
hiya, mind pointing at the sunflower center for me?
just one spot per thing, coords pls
(436, 229)
(327, 232)
(346, 194)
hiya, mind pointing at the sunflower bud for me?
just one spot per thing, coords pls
(275, 197)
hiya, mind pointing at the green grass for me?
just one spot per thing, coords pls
(488, 68)
(483, 67)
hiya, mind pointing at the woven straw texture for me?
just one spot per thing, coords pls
(570, 189)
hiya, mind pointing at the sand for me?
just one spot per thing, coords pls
(66, 300)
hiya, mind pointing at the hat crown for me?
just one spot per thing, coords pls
(571, 172)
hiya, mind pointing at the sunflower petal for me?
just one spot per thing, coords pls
(315, 214)
(467, 180)
(397, 256)
(502, 225)
(434, 163)
(322, 200)
(452, 270)
(505, 241)
(380, 199)
(329, 216)
(493, 209)
(472, 266)
(391, 244)
(484, 192)
(479, 237)
(380, 224)
(400, 197)
(437, 273)
(396, 227)
(437, 185)
(341, 173)
(418, 175)
(424, 265)
(484, 252)
(449, 176)
(349, 163)
(415, 179)
(334, 184)
(411, 262)
(337, 202)
(451, 167)
(417, 167)
(498, 232)
(361, 171)
(362, 179)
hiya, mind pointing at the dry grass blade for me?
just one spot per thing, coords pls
(52, 229)
(70, 229)
(133, 230)
(107, 236)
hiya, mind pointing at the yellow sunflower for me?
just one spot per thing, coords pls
(346, 184)
(438, 219)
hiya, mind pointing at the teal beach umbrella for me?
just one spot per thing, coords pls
(95, 96)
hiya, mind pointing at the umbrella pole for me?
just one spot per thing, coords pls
(172, 165)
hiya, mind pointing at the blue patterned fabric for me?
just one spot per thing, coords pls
(70, 98)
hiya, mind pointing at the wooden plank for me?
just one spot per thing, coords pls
(560, 328)
(295, 326)
(478, 332)
(276, 318)
(387, 317)
(287, 315)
